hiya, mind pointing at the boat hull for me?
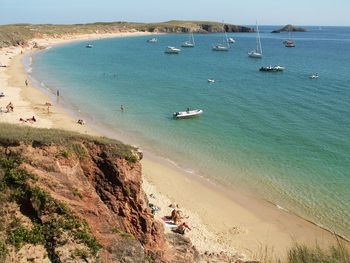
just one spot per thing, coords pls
(254, 54)
(187, 114)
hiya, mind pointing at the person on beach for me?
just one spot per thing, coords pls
(176, 216)
(30, 120)
(10, 107)
(181, 229)
(26, 82)
(58, 93)
(122, 108)
(81, 122)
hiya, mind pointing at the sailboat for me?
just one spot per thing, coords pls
(289, 42)
(222, 46)
(256, 53)
(190, 42)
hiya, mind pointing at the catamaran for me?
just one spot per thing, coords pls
(256, 53)
(222, 46)
(190, 42)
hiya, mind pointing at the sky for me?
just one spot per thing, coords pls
(243, 12)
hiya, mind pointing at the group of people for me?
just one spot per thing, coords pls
(177, 216)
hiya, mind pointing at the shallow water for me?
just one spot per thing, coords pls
(281, 136)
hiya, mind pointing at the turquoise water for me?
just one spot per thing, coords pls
(281, 136)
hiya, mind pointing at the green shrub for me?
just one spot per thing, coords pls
(19, 235)
(88, 240)
(3, 251)
(80, 253)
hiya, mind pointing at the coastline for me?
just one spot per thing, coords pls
(222, 220)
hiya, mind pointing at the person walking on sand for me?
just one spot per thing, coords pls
(26, 82)
(58, 93)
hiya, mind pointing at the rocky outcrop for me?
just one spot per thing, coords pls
(66, 197)
(290, 28)
(88, 189)
(199, 27)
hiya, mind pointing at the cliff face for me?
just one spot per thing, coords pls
(21, 34)
(71, 198)
(66, 197)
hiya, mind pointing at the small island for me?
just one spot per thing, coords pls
(290, 28)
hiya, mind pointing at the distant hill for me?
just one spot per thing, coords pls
(290, 28)
(20, 34)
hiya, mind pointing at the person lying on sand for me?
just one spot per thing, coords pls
(181, 229)
(2, 94)
(30, 120)
(81, 122)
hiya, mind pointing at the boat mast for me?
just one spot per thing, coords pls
(258, 43)
(225, 35)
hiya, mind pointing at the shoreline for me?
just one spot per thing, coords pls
(213, 210)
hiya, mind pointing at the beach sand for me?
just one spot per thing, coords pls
(221, 220)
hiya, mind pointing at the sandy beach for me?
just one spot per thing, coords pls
(221, 220)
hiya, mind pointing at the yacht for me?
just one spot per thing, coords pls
(220, 47)
(152, 40)
(189, 43)
(172, 50)
(89, 46)
(256, 53)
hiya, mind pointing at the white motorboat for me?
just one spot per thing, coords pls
(152, 40)
(89, 46)
(211, 80)
(313, 76)
(220, 47)
(231, 40)
(172, 50)
(256, 53)
(187, 114)
(189, 43)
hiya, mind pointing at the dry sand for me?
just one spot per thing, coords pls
(221, 220)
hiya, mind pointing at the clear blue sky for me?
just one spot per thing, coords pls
(267, 12)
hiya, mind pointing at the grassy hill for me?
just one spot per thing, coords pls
(20, 34)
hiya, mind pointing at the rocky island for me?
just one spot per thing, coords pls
(290, 28)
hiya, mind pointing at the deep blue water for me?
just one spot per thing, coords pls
(280, 135)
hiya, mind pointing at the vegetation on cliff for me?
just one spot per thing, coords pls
(21, 34)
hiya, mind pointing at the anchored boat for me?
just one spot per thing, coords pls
(187, 114)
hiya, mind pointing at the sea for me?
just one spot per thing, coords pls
(281, 136)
